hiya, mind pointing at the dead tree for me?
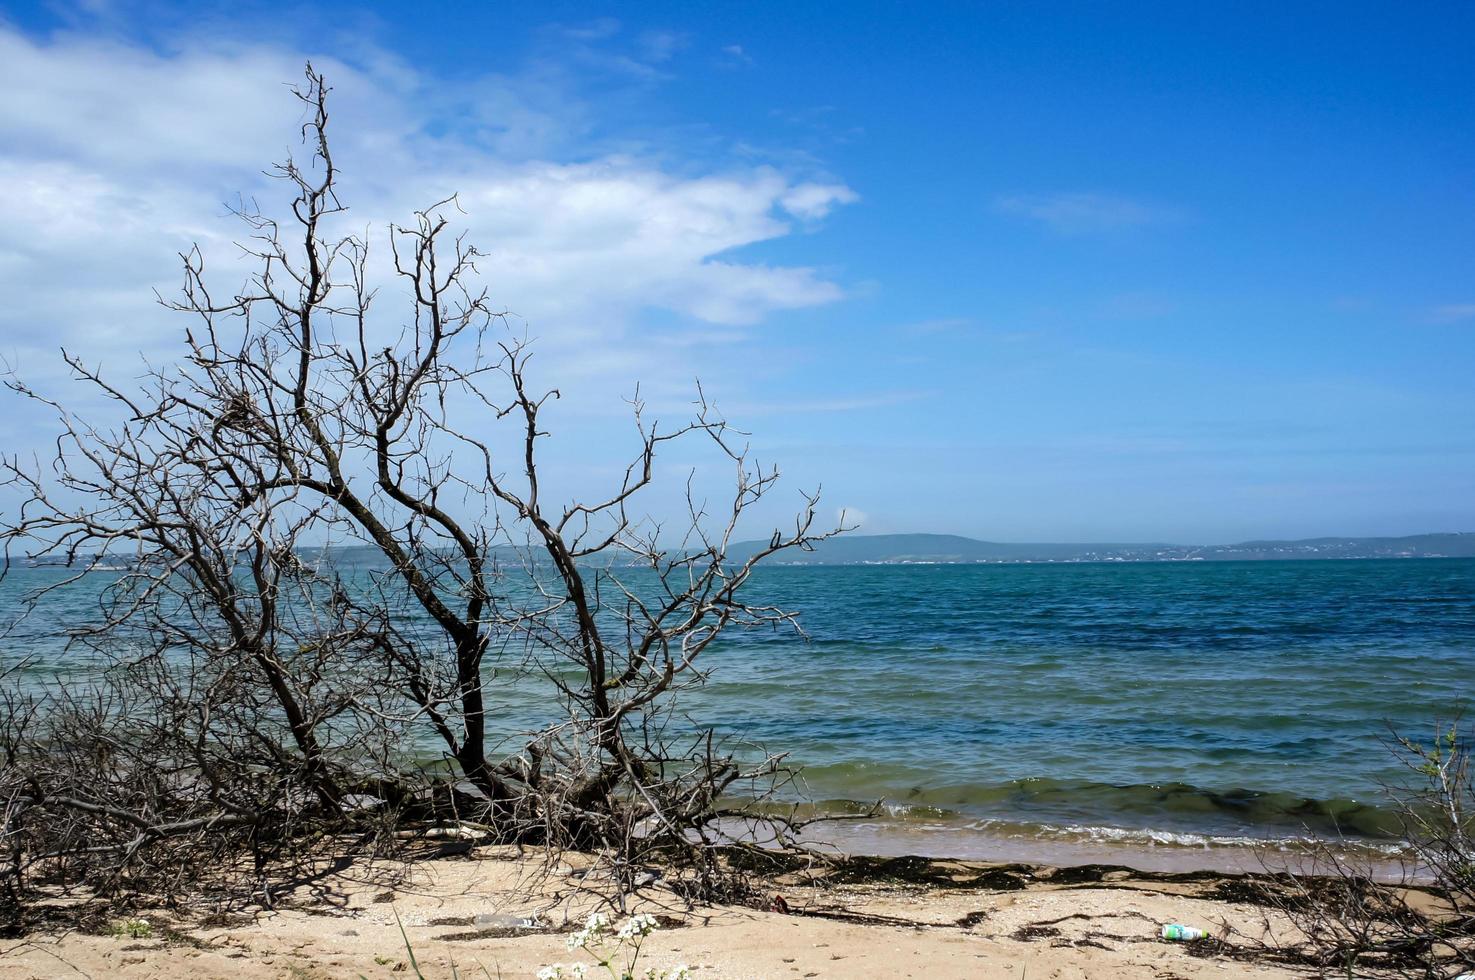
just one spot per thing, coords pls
(256, 689)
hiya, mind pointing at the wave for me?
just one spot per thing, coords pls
(1171, 808)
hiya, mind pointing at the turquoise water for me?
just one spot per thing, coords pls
(1227, 699)
(1155, 702)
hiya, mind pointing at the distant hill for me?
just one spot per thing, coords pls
(900, 549)
(953, 549)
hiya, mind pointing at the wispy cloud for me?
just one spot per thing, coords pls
(590, 30)
(842, 403)
(822, 123)
(733, 56)
(600, 46)
(659, 46)
(1453, 313)
(1076, 213)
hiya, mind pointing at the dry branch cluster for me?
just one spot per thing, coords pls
(1348, 919)
(254, 702)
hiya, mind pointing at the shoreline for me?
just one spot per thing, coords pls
(1247, 857)
(501, 910)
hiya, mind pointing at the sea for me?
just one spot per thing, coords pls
(1180, 713)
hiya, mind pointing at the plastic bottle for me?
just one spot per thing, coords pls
(1185, 934)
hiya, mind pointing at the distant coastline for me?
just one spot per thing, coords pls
(954, 549)
(951, 549)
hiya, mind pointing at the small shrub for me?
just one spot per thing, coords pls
(131, 929)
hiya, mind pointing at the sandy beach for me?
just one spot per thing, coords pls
(906, 918)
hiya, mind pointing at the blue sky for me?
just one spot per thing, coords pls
(1019, 271)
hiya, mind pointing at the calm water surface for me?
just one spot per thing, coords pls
(1151, 700)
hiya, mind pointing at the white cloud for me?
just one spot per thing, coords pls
(1083, 213)
(630, 235)
(814, 201)
(116, 157)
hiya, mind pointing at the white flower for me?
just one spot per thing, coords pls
(559, 971)
(596, 926)
(682, 972)
(637, 925)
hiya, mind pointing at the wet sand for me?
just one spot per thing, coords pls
(895, 839)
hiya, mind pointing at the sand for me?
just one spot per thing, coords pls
(970, 920)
